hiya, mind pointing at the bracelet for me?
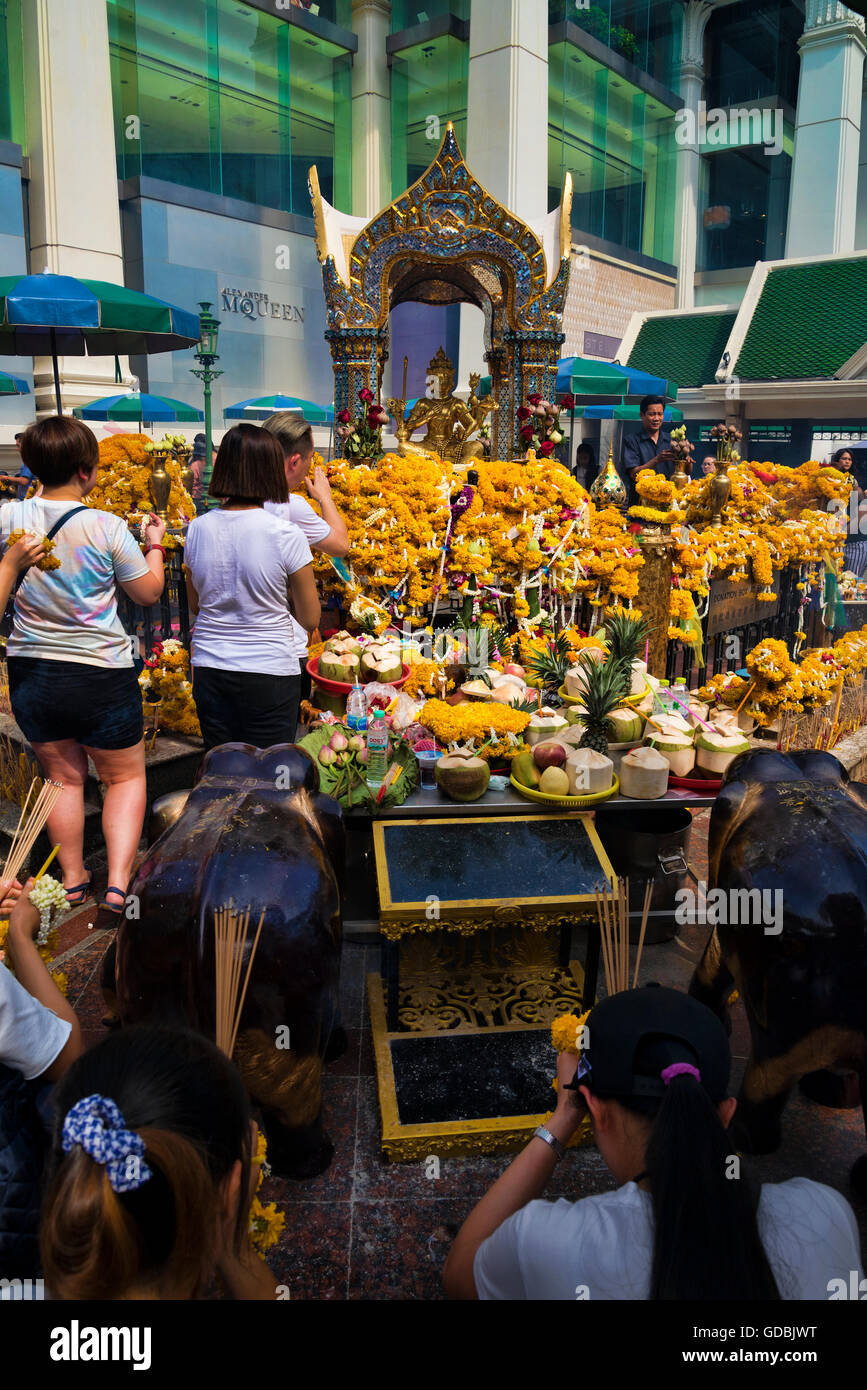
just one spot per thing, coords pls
(156, 547)
(552, 1140)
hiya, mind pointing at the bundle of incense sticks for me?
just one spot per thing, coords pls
(612, 911)
(230, 938)
(30, 823)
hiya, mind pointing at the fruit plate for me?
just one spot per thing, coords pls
(568, 699)
(344, 687)
(571, 803)
(709, 785)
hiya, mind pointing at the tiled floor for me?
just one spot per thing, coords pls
(367, 1229)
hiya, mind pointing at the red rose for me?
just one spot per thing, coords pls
(634, 528)
(527, 433)
(343, 417)
(547, 448)
(535, 398)
(365, 395)
(568, 401)
(523, 413)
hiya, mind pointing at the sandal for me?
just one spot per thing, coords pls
(121, 893)
(76, 897)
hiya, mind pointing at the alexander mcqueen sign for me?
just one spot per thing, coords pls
(255, 304)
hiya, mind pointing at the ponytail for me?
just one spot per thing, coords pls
(707, 1243)
(100, 1244)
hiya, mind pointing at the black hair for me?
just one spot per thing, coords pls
(651, 400)
(586, 448)
(835, 458)
(706, 1235)
(187, 1102)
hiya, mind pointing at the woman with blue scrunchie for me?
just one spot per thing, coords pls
(151, 1177)
(684, 1222)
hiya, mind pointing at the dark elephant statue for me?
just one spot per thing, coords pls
(255, 831)
(793, 827)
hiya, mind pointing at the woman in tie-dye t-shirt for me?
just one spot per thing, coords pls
(72, 684)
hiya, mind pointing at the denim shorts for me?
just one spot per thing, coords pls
(98, 706)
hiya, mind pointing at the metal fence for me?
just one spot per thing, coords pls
(170, 617)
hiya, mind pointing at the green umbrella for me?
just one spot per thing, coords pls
(57, 315)
(138, 406)
(13, 385)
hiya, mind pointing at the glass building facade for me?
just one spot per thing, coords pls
(219, 96)
(406, 14)
(617, 141)
(428, 89)
(642, 32)
(11, 73)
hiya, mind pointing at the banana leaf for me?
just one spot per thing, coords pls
(333, 780)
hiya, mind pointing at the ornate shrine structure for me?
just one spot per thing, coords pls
(446, 240)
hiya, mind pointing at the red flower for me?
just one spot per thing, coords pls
(527, 433)
(366, 395)
(634, 528)
(568, 401)
(343, 417)
(523, 413)
(547, 448)
(535, 398)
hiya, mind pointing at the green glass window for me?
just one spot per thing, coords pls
(752, 52)
(644, 32)
(216, 95)
(744, 206)
(11, 69)
(618, 144)
(428, 89)
(405, 14)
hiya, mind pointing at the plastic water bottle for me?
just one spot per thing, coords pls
(356, 709)
(377, 749)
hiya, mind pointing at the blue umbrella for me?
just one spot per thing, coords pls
(138, 405)
(13, 385)
(56, 315)
(261, 407)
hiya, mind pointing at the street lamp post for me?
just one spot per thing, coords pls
(206, 354)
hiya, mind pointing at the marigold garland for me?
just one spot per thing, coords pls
(166, 688)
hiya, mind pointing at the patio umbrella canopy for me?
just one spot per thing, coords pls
(58, 316)
(13, 385)
(260, 407)
(139, 406)
(625, 412)
(583, 377)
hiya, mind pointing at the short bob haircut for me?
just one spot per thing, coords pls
(249, 464)
(55, 448)
(293, 433)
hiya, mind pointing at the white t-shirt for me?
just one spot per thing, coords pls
(302, 515)
(70, 613)
(549, 1250)
(240, 563)
(31, 1035)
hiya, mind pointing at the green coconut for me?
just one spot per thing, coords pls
(334, 666)
(462, 776)
(677, 749)
(543, 726)
(714, 751)
(627, 726)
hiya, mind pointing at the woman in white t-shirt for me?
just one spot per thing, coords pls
(685, 1222)
(244, 569)
(327, 532)
(72, 684)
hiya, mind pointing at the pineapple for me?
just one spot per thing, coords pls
(552, 665)
(605, 687)
(626, 637)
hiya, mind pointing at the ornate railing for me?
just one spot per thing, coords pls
(170, 617)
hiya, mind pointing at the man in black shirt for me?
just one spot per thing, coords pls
(650, 447)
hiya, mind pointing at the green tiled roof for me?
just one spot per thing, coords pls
(686, 348)
(809, 320)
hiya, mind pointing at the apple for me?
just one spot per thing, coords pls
(513, 669)
(549, 755)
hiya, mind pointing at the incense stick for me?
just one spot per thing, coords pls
(30, 825)
(648, 894)
(750, 689)
(230, 939)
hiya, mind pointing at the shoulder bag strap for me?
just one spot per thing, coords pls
(50, 537)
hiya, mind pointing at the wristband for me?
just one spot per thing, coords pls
(552, 1140)
(156, 547)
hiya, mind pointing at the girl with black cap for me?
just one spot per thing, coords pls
(684, 1222)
